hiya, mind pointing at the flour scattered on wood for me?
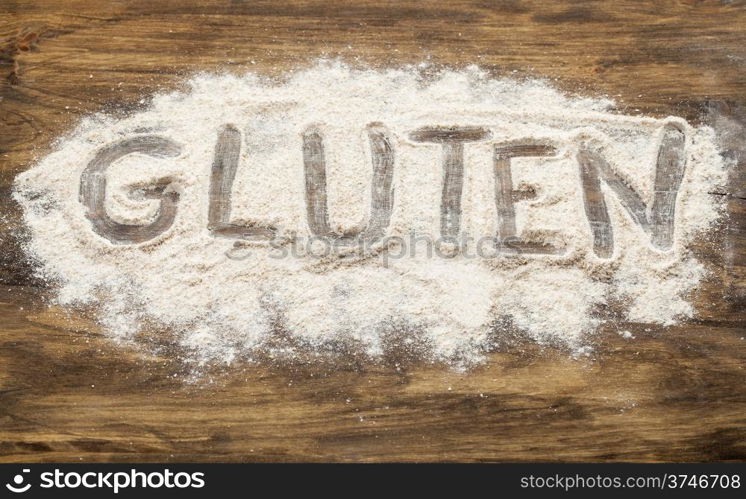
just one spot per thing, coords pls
(225, 301)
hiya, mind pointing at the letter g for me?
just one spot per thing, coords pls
(93, 190)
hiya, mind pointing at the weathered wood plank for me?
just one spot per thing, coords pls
(67, 393)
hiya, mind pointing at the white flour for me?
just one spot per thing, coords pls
(452, 309)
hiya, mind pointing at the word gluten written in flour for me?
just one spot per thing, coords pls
(141, 219)
(655, 217)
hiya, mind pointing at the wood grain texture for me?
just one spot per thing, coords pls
(68, 394)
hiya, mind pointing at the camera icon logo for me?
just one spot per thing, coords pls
(17, 485)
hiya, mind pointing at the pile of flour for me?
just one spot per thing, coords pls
(222, 302)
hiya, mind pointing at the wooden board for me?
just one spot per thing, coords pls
(68, 394)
